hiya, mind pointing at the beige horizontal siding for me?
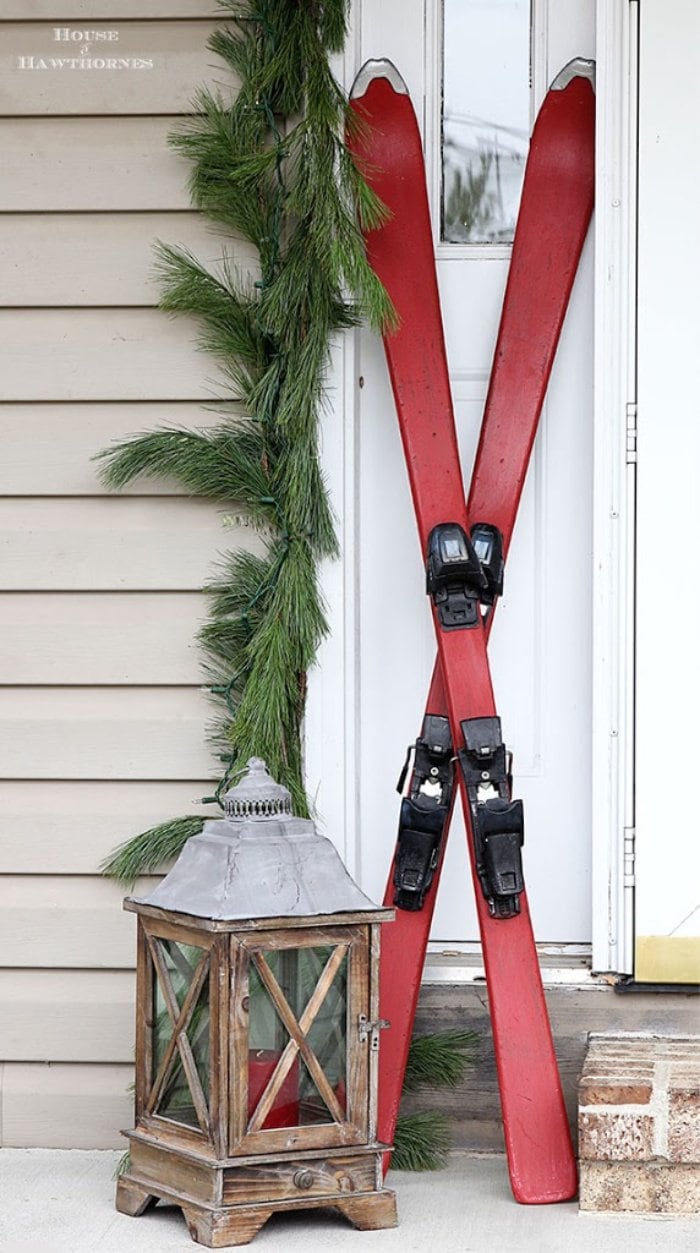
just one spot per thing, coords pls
(64, 1106)
(110, 639)
(167, 62)
(100, 258)
(103, 720)
(105, 11)
(105, 733)
(68, 827)
(132, 544)
(59, 922)
(103, 354)
(67, 1015)
(90, 163)
(49, 449)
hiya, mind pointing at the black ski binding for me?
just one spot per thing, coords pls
(455, 579)
(423, 813)
(497, 821)
(487, 543)
(499, 834)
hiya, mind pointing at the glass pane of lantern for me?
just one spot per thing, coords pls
(298, 1098)
(176, 1101)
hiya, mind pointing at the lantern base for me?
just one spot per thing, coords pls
(232, 1204)
(237, 1224)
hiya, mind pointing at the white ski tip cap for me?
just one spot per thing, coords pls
(378, 69)
(578, 68)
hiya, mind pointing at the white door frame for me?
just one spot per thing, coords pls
(614, 485)
(332, 727)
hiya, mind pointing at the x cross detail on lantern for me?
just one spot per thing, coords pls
(298, 1042)
(180, 1019)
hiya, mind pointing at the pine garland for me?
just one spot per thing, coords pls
(439, 1060)
(271, 167)
(422, 1140)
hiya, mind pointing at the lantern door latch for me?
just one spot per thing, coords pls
(368, 1029)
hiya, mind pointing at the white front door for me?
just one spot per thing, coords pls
(541, 644)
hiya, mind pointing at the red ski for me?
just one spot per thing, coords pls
(555, 210)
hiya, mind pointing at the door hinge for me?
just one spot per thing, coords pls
(631, 411)
(629, 855)
(368, 1028)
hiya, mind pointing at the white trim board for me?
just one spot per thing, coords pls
(561, 965)
(614, 485)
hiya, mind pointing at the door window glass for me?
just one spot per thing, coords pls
(485, 118)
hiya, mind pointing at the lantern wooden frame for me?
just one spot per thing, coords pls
(228, 1173)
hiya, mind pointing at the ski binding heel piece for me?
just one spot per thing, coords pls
(487, 543)
(418, 851)
(497, 821)
(499, 833)
(455, 579)
(424, 814)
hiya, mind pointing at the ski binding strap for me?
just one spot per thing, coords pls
(497, 820)
(424, 813)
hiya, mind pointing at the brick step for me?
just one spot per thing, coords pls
(639, 1124)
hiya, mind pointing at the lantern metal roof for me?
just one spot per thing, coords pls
(258, 861)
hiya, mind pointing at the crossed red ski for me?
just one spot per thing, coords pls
(555, 209)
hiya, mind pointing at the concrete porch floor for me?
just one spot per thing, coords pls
(53, 1199)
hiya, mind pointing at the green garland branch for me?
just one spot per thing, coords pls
(439, 1061)
(270, 166)
(422, 1140)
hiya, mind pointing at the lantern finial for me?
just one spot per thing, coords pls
(257, 796)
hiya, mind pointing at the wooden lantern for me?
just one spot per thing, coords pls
(257, 1029)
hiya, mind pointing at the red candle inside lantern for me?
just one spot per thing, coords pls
(262, 1064)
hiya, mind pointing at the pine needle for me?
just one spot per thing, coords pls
(123, 1165)
(439, 1060)
(147, 852)
(421, 1142)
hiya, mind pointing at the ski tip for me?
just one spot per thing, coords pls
(578, 68)
(378, 69)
